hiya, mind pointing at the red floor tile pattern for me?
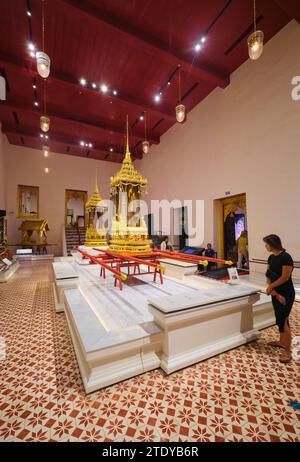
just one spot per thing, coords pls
(242, 395)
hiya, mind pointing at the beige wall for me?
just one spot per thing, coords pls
(241, 139)
(26, 166)
(2, 172)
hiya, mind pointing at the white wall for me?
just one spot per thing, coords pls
(244, 139)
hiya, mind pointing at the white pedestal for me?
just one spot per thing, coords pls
(178, 269)
(196, 329)
(64, 278)
(107, 357)
(9, 272)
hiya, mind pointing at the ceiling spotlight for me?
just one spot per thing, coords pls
(31, 46)
(111, 149)
(36, 103)
(115, 92)
(197, 47)
(34, 86)
(157, 98)
(41, 135)
(90, 145)
(82, 143)
(94, 85)
(141, 117)
(82, 82)
(169, 83)
(28, 13)
(46, 136)
(104, 88)
(203, 39)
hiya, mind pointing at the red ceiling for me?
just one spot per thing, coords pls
(132, 46)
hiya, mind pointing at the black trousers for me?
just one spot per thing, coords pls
(282, 312)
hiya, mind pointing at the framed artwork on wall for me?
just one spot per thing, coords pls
(28, 201)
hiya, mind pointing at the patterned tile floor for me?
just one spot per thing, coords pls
(241, 395)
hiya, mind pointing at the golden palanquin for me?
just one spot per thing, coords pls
(34, 232)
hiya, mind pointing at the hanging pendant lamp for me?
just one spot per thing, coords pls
(146, 144)
(180, 108)
(42, 59)
(44, 120)
(255, 40)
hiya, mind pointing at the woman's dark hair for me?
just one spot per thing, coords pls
(274, 242)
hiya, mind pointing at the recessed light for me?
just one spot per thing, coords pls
(203, 39)
(90, 145)
(28, 13)
(141, 117)
(169, 83)
(81, 143)
(34, 86)
(41, 135)
(198, 47)
(157, 98)
(104, 88)
(31, 46)
(94, 85)
(111, 149)
(46, 136)
(115, 92)
(36, 103)
(82, 82)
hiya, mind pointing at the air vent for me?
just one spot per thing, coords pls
(245, 34)
(16, 117)
(193, 87)
(157, 124)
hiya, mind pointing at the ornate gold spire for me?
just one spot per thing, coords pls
(128, 174)
(95, 197)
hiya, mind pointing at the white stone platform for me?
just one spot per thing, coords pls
(9, 272)
(118, 334)
(203, 324)
(178, 269)
(65, 277)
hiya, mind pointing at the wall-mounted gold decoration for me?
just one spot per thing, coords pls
(28, 201)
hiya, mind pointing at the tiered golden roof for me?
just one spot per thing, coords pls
(95, 198)
(128, 174)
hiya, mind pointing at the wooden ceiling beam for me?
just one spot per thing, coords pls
(27, 132)
(141, 105)
(135, 135)
(290, 7)
(202, 71)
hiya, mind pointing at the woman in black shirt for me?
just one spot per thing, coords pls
(281, 288)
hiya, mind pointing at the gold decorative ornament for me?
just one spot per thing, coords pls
(34, 232)
(95, 208)
(132, 237)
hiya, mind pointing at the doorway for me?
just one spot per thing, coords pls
(75, 208)
(232, 222)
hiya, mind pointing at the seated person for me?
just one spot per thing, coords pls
(166, 245)
(210, 253)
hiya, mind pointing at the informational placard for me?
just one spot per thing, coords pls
(233, 276)
(7, 261)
